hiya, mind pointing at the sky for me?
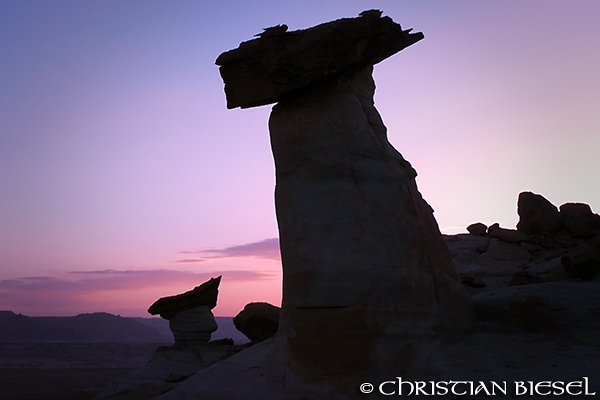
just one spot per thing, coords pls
(124, 178)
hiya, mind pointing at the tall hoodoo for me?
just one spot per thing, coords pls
(368, 282)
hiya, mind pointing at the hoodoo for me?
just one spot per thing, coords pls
(368, 283)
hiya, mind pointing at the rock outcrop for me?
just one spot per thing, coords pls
(537, 214)
(368, 283)
(545, 281)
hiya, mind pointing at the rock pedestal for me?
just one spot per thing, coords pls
(367, 278)
(193, 325)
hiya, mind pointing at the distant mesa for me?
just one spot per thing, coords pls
(83, 328)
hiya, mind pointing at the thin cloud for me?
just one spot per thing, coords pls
(267, 249)
(163, 277)
(189, 261)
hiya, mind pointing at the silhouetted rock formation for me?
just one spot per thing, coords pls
(258, 321)
(192, 322)
(537, 214)
(545, 268)
(189, 314)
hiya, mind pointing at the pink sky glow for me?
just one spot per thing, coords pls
(124, 178)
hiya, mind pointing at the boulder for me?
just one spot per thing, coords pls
(477, 228)
(258, 321)
(579, 219)
(537, 214)
(203, 295)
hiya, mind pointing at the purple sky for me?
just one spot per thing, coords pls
(124, 178)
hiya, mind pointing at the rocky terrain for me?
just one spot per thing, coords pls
(372, 292)
(536, 291)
